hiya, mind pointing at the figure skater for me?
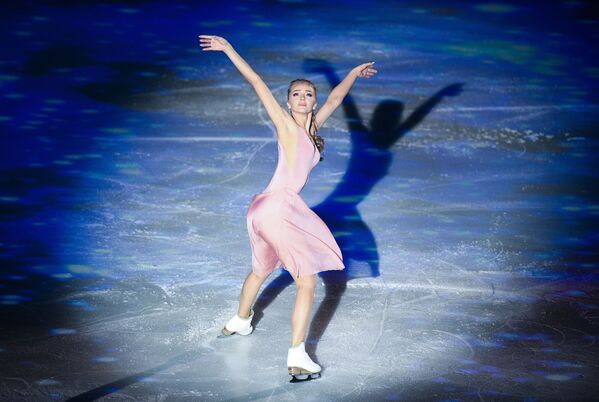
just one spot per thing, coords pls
(283, 230)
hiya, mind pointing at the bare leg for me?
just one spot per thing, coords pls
(270, 293)
(301, 309)
(250, 289)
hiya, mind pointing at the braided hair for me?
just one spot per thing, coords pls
(318, 140)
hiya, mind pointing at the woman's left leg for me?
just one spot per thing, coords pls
(298, 361)
(304, 297)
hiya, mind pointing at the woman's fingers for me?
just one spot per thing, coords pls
(206, 42)
(368, 72)
(205, 46)
(205, 39)
(212, 42)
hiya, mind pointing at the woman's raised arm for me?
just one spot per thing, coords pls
(336, 96)
(273, 108)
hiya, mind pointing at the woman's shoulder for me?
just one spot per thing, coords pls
(291, 128)
(288, 128)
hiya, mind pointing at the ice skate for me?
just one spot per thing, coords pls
(300, 366)
(238, 325)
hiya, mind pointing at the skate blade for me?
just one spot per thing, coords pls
(225, 333)
(299, 374)
(304, 377)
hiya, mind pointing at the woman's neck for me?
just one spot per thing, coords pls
(301, 119)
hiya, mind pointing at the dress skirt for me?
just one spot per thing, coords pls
(283, 230)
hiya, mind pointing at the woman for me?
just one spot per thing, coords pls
(282, 228)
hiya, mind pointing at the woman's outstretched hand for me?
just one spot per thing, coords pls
(365, 70)
(212, 42)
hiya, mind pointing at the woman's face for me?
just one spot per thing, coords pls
(302, 98)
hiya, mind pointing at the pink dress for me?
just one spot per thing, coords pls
(283, 230)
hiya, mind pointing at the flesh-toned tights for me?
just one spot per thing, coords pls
(301, 309)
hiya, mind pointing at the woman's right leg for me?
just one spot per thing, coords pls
(303, 305)
(249, 291)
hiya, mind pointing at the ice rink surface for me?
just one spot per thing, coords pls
(459, 182)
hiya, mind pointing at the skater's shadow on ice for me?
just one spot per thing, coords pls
(117, 385)
(370, 159)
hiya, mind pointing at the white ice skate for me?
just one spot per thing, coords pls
(300, 366)
(238, 325)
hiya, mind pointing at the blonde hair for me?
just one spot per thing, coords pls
(318, 140)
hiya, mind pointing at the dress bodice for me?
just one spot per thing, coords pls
(294, 174)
